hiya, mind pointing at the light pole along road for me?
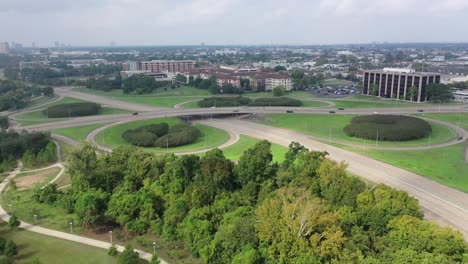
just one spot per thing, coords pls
(439, 202)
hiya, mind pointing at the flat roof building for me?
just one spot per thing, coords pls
(166, 65)
(398, 83)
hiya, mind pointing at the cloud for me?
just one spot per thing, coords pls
(392, 7)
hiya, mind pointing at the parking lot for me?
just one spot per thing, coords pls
(333, 91)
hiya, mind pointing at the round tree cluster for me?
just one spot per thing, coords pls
(161, 135)
(72, 110)
(388, 127)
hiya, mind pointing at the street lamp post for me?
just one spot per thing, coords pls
(71, 227)
(110, 235)
(154, 247)
(35, 218)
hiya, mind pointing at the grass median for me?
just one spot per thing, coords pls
(77, 133)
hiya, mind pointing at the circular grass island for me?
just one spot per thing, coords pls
(208, 137)
(388, 128)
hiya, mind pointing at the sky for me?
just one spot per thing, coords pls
(231, 22)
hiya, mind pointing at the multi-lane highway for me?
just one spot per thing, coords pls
(441, 203)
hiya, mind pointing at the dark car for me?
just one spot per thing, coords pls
(341, 108)
(289, 111)
(136, 113)
(235, 111)
(331, 112)
(420, 110)
(459, 138)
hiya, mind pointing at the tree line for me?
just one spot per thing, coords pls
(16, 94)
(306, 209)
(35, 148)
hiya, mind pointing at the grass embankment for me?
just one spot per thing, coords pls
(331, 126)
(235, 151)
(209, 136)
(160, 97)
(445, 165)
(77, 133)
(458, 119)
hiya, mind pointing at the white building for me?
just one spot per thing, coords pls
(273, 81)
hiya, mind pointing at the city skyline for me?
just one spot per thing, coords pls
(224, 22)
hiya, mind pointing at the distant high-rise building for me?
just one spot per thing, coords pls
(33, 45)
(112, 44)
(4, 48)
(56, 44)
(16, 46)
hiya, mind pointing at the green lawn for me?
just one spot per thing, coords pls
(371, 104)
(445, 165)
(458, 119)
(77, 133)
(324, 126)
(292, 94)
(52, 250)
(160, 97)
(209, 136)
(235, 151)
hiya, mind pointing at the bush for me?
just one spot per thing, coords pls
(72, 110)
(160, 135)
(388, 127)
(275, 101)
(47, 195)
(3, 122)
(224, 101)
(140, 139)
(178, 135)
(112, 251)
(10, 248)
(128, 256)
(13, 223)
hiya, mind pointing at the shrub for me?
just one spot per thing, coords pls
(3, 122)
(160, 135)
(388, 127)
(275, 101)
(10, 248)
(72, 110)
(178, 135)
(128, 256)
(48, 195)
(141, 138)
(224, 101)
(13, 223)
(112, 251)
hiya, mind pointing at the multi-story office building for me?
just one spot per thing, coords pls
(166, 65)
(4, 48)
(405, 84)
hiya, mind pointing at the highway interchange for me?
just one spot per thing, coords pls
(440, 203)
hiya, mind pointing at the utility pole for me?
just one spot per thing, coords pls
(377, 139)
(429, 141)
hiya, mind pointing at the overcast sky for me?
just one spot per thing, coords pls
(225, 22)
